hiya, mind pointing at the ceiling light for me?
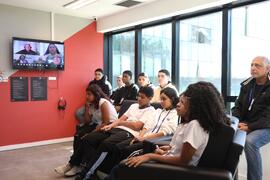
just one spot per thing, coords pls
(76, 4)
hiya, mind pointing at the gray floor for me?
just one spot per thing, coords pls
(36, 163)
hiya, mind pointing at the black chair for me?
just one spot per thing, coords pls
(218, 162)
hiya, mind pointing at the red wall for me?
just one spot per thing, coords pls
(29, 121)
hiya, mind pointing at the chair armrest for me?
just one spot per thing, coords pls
(157, 171)
(240, 137)
(234, 122)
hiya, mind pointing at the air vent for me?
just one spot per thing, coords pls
(128, 3)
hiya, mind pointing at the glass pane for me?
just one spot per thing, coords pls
(123, 54)
(250, 38)
(156, 50)
(200, 50)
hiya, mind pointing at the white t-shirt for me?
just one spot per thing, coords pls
(134, 113)
(192, 133)
(166, 121)
(97, 116)
(156, 97)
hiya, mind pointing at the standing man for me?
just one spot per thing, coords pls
(252, 107)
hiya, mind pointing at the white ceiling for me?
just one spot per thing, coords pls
(100, 8)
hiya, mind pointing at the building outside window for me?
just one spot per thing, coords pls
(122, 54)
(200, 50)
(156, 50)
(250, 38)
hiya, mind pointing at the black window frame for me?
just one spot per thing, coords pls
(226, 10)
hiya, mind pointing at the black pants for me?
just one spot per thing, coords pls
(122, 151)
(81, 130)
(97, 143)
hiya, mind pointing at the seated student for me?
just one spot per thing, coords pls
(164, 81)
(128, 92)
(99, 112)
(99, 144)
(100, 80)
(165, 123)
(201, 112)
(143, 80)
(120, 84)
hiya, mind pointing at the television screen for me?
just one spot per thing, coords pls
(37, 54)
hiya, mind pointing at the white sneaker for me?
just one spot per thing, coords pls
(63, 169)
(73, 171)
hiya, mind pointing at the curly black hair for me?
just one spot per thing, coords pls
(206, 106)
(98, 93)
(171, 94)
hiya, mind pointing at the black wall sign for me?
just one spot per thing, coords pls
(19, 88)
(38, 88)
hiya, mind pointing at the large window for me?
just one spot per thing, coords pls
(200, 50)
(250, 38)
(122, 54)
(156, 50)
(197, 51)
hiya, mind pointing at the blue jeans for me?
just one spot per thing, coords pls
(255, 140)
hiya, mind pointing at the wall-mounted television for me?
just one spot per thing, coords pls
(37, 54)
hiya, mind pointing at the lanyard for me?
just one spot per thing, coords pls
(252, 96)
(161, 121)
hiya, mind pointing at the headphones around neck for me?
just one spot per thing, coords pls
(62, 103)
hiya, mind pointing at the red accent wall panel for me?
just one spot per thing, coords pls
(29, 121)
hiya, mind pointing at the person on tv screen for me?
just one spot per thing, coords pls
(27, 50)
(22, 60)
(53, 55)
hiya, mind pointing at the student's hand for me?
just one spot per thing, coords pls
(87, 105)
(99, 127)
(160, 151)
(107, 127)
(136, 161)
(136, 139)
(165, 147)
(139, 138)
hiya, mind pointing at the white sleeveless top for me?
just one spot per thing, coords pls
(97, 116)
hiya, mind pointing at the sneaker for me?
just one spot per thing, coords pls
(73, 171)
(63, 169)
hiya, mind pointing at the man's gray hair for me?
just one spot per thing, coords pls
(265, 59)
